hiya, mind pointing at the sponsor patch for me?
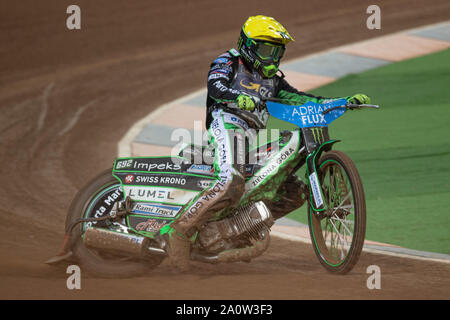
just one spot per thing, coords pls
(151, 225)
(234, 52)
(201, 169)
(161, 180)
(221, 60)
(147, 224)
(224, 69)
(221, 87)
(215, 191)
(159, 194)
(124, 164)
(225, 54)
(103, 207)
(229, 118)
(268, 170)
(204, 183)
(314, 182)
(271, 166)
(214, 76)
(156, 209)
(164, 180)
(156, 164)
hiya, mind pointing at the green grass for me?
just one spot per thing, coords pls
(402, 150)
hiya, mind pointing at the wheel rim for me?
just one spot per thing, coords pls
(101, 204)
(334, 228)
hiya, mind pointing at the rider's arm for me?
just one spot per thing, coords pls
(295, 97)
(220, 76)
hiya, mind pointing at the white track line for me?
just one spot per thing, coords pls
(124, 147)
(43, 115)
(365, 249)
(75, 118)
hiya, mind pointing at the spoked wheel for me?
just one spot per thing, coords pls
(338, 233)
(96, 200)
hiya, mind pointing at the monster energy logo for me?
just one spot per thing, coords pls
(257, 64)
(318, 134)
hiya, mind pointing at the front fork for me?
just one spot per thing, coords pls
(316, 198)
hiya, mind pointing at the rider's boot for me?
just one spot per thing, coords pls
(177, 247)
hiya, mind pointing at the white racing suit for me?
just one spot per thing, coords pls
(227, 135)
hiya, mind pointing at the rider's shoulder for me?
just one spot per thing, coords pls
(227, 57)
(234, 52)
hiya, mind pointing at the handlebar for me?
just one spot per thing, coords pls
(255, 122)
(352, 106)
(349, 106)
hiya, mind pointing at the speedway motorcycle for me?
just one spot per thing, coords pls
(112, 221)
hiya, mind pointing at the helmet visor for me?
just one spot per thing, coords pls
(267, 50)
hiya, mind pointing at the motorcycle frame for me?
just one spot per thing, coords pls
(307, 150)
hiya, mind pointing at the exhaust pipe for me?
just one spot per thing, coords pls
(135, 245)
(97, 238)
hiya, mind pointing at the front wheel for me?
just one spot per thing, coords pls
(338, 233)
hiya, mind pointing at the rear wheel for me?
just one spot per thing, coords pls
(338, 233)
(96, 200)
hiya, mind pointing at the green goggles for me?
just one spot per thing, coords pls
(269, 51)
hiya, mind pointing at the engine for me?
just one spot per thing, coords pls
(247, 223)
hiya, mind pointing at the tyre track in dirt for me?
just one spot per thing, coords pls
(67, 97)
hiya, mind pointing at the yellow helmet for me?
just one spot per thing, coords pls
(262, 44)
(266, 28)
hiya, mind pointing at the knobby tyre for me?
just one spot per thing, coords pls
(338, 234)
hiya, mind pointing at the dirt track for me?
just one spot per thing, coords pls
(67, 97)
